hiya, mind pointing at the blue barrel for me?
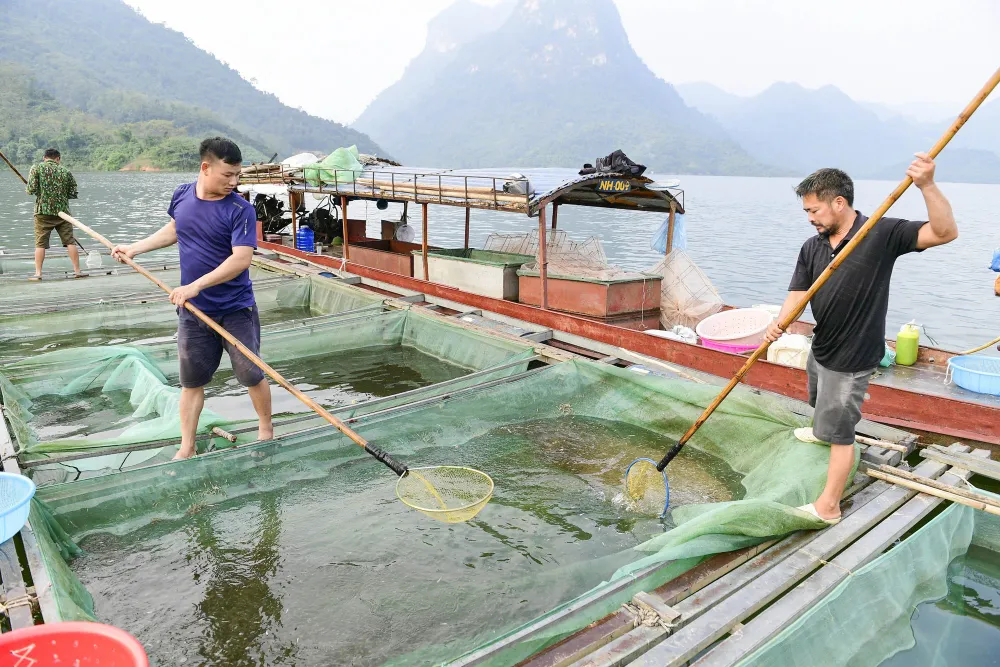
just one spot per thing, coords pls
(305, 240)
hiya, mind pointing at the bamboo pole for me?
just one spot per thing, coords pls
(383, 457)
(833, 266)
(14, 169)
(951, 494)
(872, 442)
(937, 484)
(543, 261)
(423, 240)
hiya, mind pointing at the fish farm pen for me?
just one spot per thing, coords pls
(296, 551)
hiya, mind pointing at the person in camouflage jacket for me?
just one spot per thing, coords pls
(53, 186)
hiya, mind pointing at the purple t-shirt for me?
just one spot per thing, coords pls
(207, 232)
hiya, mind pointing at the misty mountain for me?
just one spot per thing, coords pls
(802, 129)
(543, 83)
(92, 54)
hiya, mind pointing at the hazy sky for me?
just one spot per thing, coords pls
(937, 52)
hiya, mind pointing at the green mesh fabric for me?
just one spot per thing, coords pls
(873, 606)
(542, 483)
(148, 374)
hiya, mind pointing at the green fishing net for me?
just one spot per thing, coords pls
(555, 441)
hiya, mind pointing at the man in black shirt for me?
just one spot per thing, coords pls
(850, 309)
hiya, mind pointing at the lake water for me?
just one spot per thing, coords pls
(744, 233)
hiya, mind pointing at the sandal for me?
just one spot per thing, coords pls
(811, 509)
(34, 279)
(81, 275)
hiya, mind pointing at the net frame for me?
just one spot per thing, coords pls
(445, 514)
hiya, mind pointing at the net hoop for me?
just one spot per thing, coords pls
(666, 484)
(442, 513)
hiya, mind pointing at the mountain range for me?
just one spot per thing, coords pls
(803, 129)
(107, 74)
(543, 83)
(519, 83)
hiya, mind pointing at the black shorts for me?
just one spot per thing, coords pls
(199, 349)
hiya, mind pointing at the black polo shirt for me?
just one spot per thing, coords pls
(850, 308)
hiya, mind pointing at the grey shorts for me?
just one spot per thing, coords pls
(199, 349)
(837, 399)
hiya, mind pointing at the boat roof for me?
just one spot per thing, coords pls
(512, 189)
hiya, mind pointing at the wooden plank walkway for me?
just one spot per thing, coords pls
(781, 614)
(14, 587)
(773, 585)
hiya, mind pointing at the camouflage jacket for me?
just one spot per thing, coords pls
(53, 186)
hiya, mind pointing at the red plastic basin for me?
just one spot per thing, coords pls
(71, 643)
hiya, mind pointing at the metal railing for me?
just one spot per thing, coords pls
(446, 188)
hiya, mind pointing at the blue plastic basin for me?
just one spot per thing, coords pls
(978, 373)
(15, 496)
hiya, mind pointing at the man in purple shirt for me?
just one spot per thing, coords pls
(215, 230)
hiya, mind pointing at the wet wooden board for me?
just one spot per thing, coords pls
(39, 575)
(692, 639)
(980, 466)
(640, 640)
(785, 611)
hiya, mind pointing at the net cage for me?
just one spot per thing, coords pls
(938, 584)
(339, 568)
(98, 398)
(128, 308)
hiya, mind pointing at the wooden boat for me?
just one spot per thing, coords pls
(916, 397)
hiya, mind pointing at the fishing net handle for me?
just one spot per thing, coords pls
(257, 361)
(386, 459)
(794, 314)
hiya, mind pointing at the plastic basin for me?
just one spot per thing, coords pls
(15, 501)
(739, 330)
(978, 373)
(71, 643)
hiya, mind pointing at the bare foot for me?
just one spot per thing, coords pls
(182, 455)
(265, 432)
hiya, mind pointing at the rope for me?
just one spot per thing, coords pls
(850, 573)
(645, 617)
(21, 601)
(981, 347)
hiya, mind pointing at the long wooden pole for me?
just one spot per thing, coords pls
(14, 169)
(555, 215)
(989, 508)
(385, 458)
(834, 265)
(347, 238)
(543, 260)
(423, 240)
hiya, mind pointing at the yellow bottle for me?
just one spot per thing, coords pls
(907, 344)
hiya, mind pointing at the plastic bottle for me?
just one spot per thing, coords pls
(907, 344)
(305, 240)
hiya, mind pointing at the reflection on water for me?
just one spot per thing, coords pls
(744, 232)
(335, 570)
(964, 627)
(332, 381)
